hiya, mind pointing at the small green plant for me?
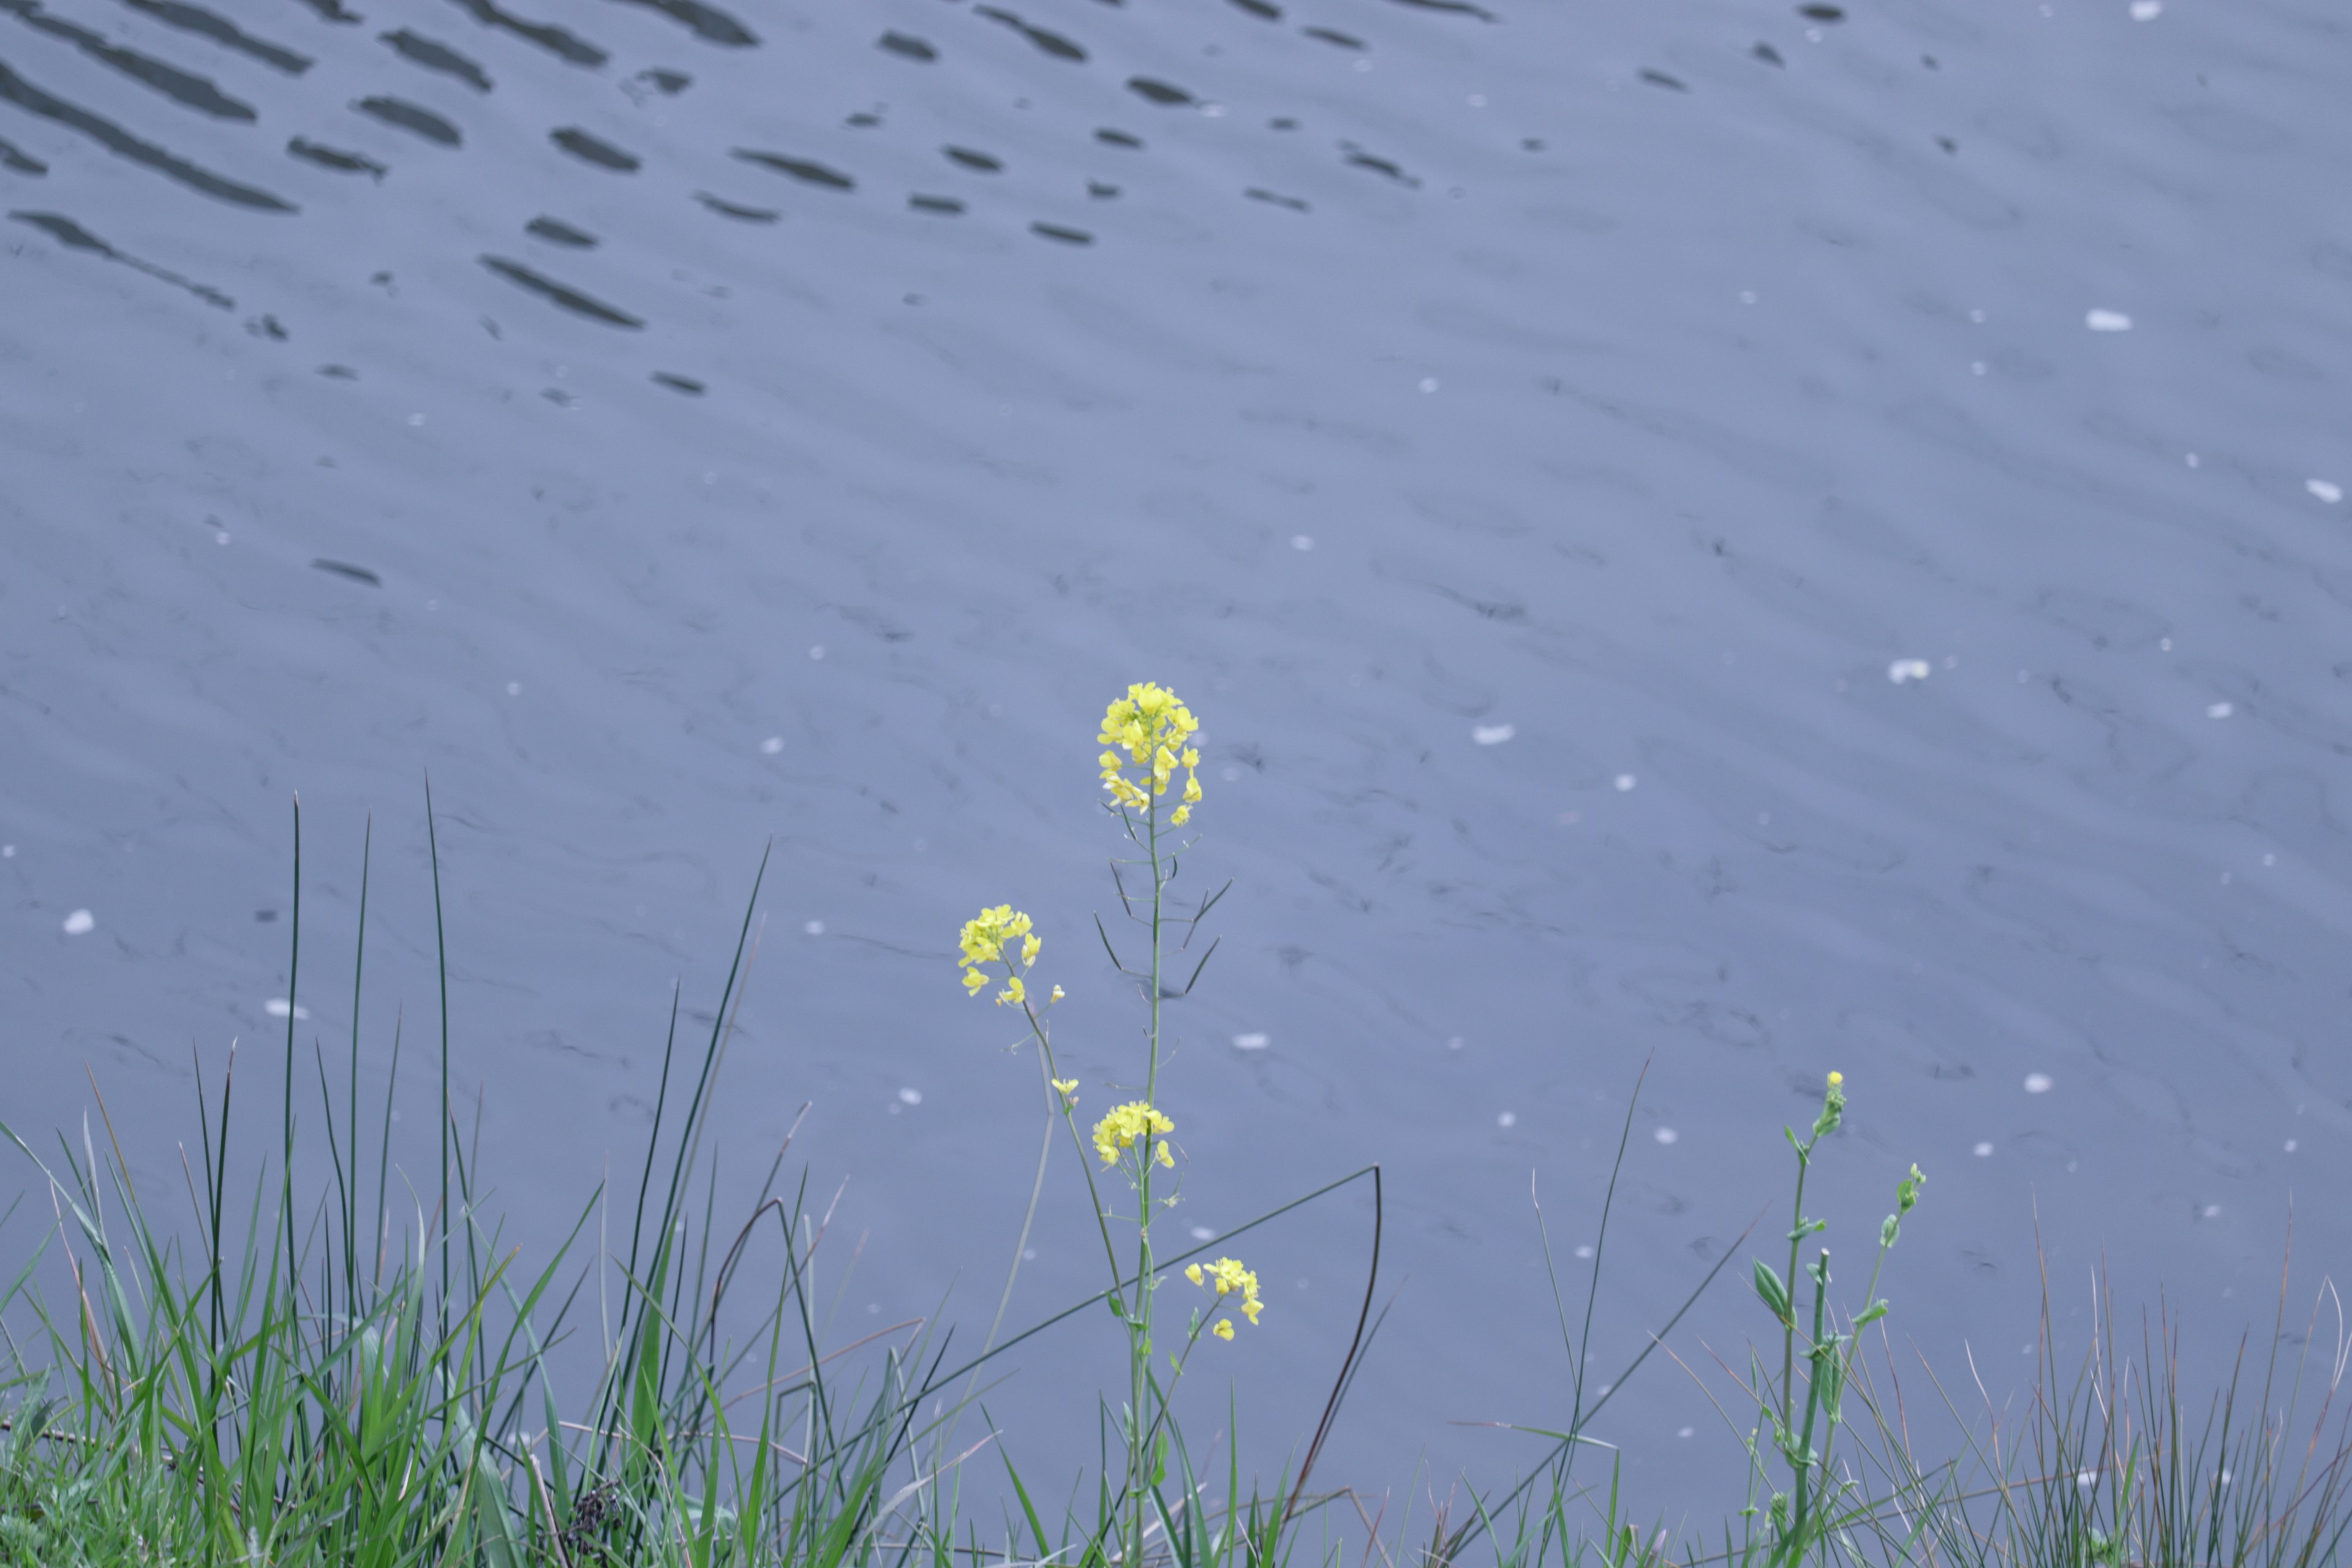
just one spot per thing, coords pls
(1806, 1402)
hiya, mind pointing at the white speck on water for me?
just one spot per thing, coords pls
(2290, 1145)
(1509, 1119)
(1213, 112)
(1908, 669)
(1667, 1135)
(1230, 774)
(1982, 1151)
(2269, 860)
(815, 928)
(708, 477)
(2164, 644)
(1477, 100)
(1491, 735)
(1685, 1431)
(80, 922)
(2037, 1083)
(1584, 1250)
(2147, 10)
(2086, 1478)
(1763, 819)
(1977, 317)
(7, 851)
(1976, 368)
(1302, 541)
(771, 746)
(1814, 35)
(1252, 1042)
(2192, 459)
(1363, 64)
(2218, 710)
(416, 419)
(2325, 489)
(1202, 1233)
(1951, 661)
(2210, 1211)
(1747, 295)
(1429, 384)
(1625, 782)
(816, 650)
(876, 1306)
(1453, 1042)
(279, 1008)
(910, 1097)
(514, 688)
(2108, 322)
(221, 537)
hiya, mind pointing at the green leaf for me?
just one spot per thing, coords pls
(1871, 1314)
(1772, 1291)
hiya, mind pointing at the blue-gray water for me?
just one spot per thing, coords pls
(1535, 438)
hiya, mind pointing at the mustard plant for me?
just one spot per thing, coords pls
(1148, 739)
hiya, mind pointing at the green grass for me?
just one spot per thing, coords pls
(378, 1378)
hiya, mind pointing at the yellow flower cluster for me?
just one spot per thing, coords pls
(986, 938)
(1152, 729)
(1125, 1124)
(1226, 1277)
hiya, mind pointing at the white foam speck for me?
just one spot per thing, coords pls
(1477, 100)
(910, 1097)
(514, 688)
(815, 928)
(1625, 782)
(1302, 541)
(1252, 1042)
(816, 650)
(416, 419)
(1667, 1135)
(1685, 1431)
(7, 851)
(1976, 368)
(2325, 489)
(279, 1008)
(80, 922)
(2147, 10)
(1453, 1042)
(1230, 776)
(1585, 1250)
(2037, 1083)
(771, 746)
(2108, 322)
(2290, 1145)
(1429, 384)
(1202, 1233)
(1491, 735)
(2210, 1211)
(1509, 1119)
(2218, 710)
(1908, 669)
(1982, 1151)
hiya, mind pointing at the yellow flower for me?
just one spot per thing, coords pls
(1225, 1328)
(1166, 1158)
(1836, 1079)
(1029, 946)
(974, 980)
(1226, 1277)
(1125, 1125)
(1056, 996)
(1067, 1088)
(1013, 991)
(1148, 730)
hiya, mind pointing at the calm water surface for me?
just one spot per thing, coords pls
(1752, 540)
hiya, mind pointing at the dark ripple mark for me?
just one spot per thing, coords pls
(1053, 43)
(345, 569)
(1821, 13)
(555, 40)
(1118, 137)
(1259, 8)
(594, 150)
(1067, 235)
(949, 205)
(708, 22)
(805, 169)
(1769, 55)
(339, 373)
(972, 159)
(1660, 79)
(73, 237)
(1459, 8)
(1295, 204)
(740, 213)
(1339, 40)
(570, 298)
(335, 158)
(332, 11)
(411, 118)
(181, 87)
(684, 383)
(1360, 159)
(221, 30)
(909, 46)
(1100, 191)
(668, 83)
(14, 158)
(1158, 91)
(114, 139)
(555, 231)
(419, 49)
